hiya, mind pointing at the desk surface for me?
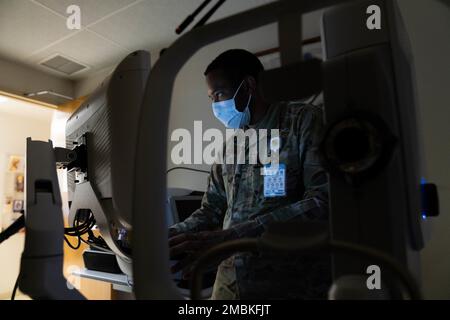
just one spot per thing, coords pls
(119, 279)
(122, 282)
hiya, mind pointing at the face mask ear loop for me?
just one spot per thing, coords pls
(248, 102)
(235, 94)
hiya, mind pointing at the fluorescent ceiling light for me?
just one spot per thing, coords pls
(3, 99)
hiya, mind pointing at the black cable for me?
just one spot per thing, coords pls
(16, 286)
(255, 245)
(191, 17)
(96, 241)
(209, 14)
(70, 245)
(8, 232)
(13, 228)
(106, 249)
(188, 169)
(77, 226)
(77, 230)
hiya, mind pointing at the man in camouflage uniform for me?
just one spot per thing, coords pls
(234, 205)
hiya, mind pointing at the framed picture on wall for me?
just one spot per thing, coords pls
(16, 164)
(19, 182)
(17, 205)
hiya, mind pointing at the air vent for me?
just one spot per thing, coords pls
(63, 64)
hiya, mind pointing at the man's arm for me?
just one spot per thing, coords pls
(314, 204)
(211, 213)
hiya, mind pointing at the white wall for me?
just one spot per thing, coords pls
(14, 130)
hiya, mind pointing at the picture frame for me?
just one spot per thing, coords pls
(16, 164)
(19, 182)
(17, 205)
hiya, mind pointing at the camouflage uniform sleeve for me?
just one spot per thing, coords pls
(213, 207)
(314, 203)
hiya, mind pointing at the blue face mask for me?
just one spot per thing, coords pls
(226, 112)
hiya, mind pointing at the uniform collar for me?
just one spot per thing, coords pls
(269, 121)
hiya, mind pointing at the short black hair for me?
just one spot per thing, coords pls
(236, 64)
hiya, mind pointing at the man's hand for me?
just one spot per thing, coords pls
(173, 232)
(186, 247)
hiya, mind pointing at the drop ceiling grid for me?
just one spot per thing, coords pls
(25, 27)
(84, 46)
(110, 29)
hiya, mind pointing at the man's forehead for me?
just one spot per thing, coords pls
(218, 79)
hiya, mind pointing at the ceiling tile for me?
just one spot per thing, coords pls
(26, 27)
(91, 10)
(86, 48)
(29, 32)
(150, 23)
